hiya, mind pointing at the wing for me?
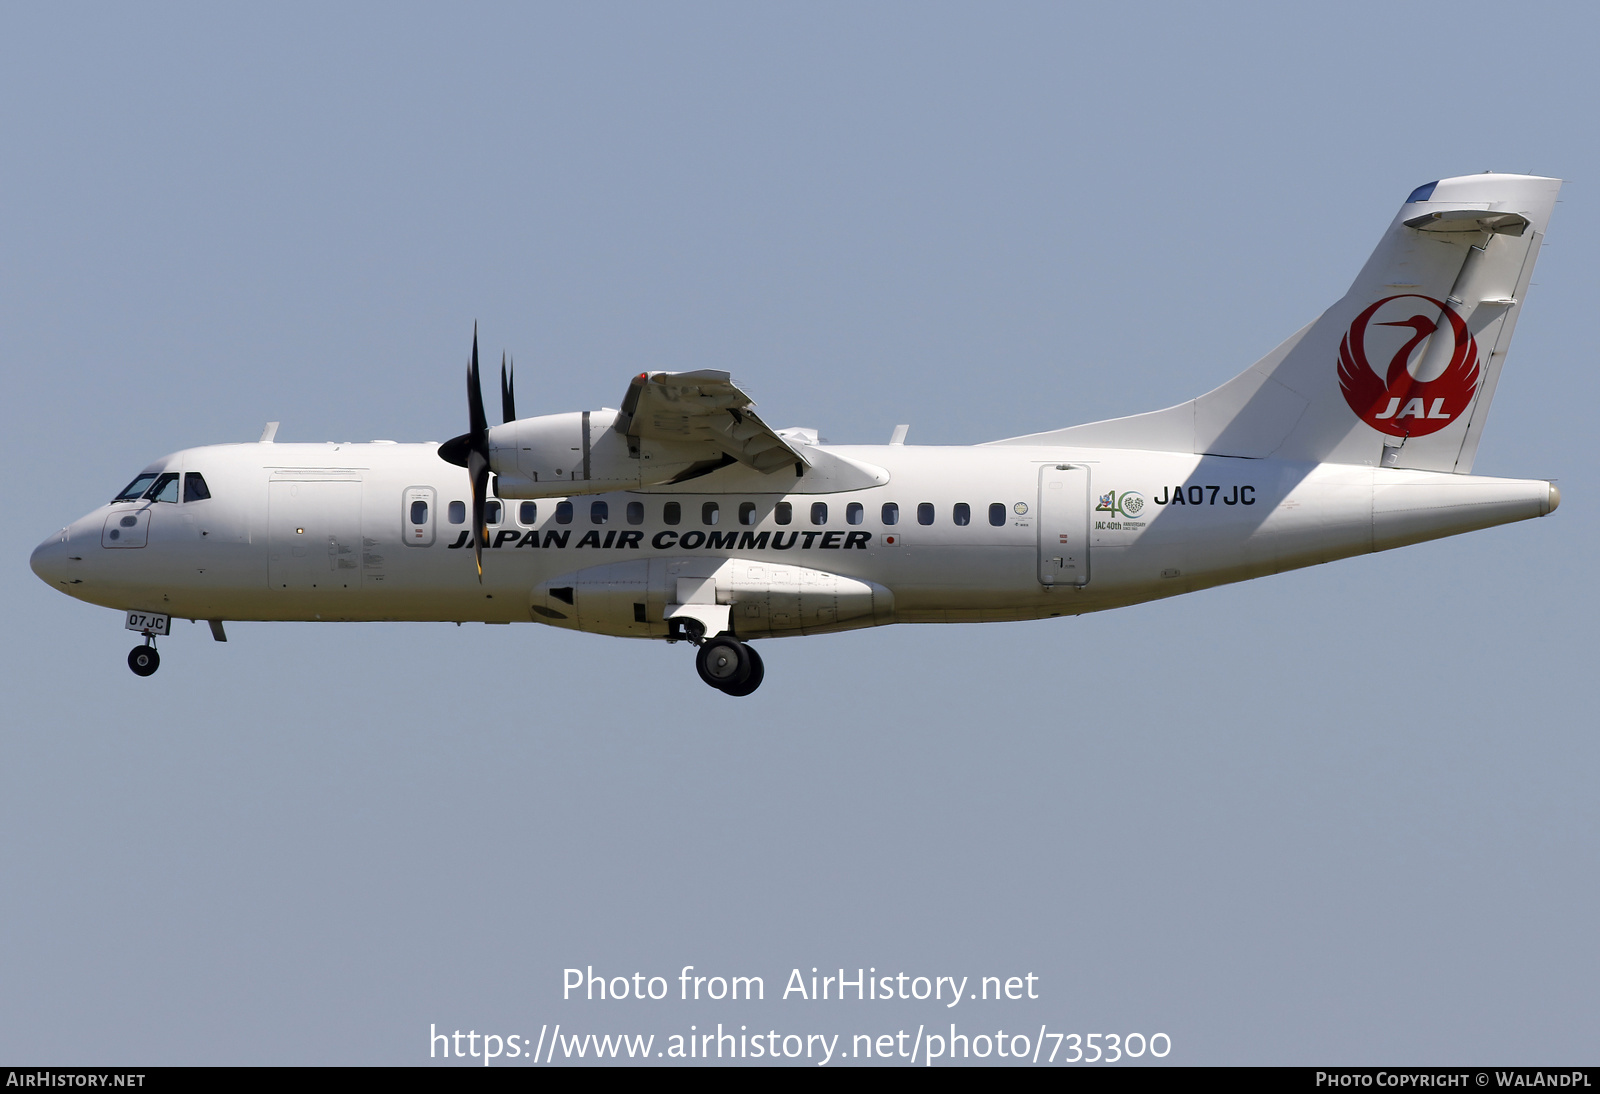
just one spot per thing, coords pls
(703, 406)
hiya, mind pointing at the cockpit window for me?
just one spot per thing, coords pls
(194, 487)
(165, 488)
(135, 489)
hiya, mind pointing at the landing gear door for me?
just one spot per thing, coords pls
(1063, 524)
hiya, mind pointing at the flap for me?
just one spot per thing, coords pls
(704, 406)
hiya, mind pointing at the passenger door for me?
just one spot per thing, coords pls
(417, 516)
(1063, 524)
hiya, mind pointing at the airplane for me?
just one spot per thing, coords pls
(682, 516)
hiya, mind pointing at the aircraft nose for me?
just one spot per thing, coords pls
(50, 560)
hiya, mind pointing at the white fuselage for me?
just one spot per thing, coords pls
(326, 532)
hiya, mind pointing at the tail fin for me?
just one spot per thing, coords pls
(1399, 373)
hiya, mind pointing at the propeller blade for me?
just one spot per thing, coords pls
(477, 423)
(478, 471)
(471, 449)
(457, 449)
(508, 398)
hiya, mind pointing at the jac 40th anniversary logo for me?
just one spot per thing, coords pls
(1127, 504)
(1397, 402)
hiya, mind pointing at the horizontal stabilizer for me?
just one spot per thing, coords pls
(1470, 220)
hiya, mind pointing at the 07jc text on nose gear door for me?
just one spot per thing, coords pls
(1063, 524)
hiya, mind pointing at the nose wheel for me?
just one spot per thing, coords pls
(729, 665)
(144, 660)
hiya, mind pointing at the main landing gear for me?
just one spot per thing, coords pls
(729, 665)
(144, 660)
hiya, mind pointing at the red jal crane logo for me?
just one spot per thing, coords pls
(1397, 403)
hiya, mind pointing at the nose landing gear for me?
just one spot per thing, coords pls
(729, 665)
(144, 660)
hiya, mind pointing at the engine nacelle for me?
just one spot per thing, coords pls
(560, 455)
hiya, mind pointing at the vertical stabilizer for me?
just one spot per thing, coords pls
(1401, 371)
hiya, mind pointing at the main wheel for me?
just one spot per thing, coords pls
(144, 660)
(723, 662)
(758, 672)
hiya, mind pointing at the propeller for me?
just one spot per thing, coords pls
(471, 450)
(508, 397)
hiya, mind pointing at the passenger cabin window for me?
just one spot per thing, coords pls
(962, 514)
(458, 512)
(194, 487)
(636, 512)
(783, 513)
(709, 513)
(599, 512)
(854, 513)
(671, 513)
(529, 512)
(563, 512)
(925, 513)
(135, 489)
(819, 512)
(997, 514)
(165, 488)
(492, 512)
(747, 512)
(891, 513)
(419, 512)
